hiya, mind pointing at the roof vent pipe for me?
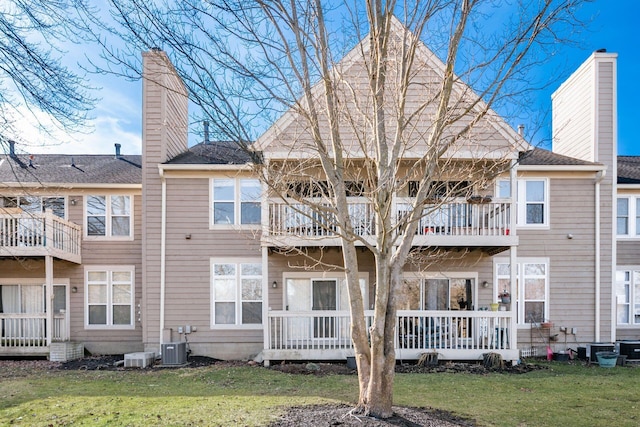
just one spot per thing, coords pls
(521, 130)
(12, 148)
(206, 131)
(118, 150)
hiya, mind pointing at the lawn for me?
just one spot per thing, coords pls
(223, 395)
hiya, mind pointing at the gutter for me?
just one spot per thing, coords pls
(599, 177)
(163, 250)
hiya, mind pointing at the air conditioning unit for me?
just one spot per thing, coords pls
(595, 347)
(174, 353)
(631, 349)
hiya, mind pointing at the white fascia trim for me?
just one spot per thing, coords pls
(69, 186)
(628, 186)
(562, 168)
(199, 167)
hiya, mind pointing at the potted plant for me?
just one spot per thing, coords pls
(505, 297)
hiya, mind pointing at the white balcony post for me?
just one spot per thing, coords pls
(48, 262)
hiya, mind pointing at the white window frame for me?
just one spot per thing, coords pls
(633, 217)
(108, 218)
(521, 202)
(237, 203)
(41, 198)
(237, 300)
(633, 301)
(454, 275)
(341, 282)
(503, 281)
(109, 269)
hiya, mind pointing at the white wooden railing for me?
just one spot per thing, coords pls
(416, 330)
(446, 219)
(29, 330)
(24, 234)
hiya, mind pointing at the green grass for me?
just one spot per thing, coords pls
(252, 396)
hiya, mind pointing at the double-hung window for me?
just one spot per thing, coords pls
(236, 293)
(628, 296)
(236, 201)
(109, 216)
(109, 297)
(532, 200)
(532, 299)
(628, 216)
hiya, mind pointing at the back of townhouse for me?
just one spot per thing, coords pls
(186, 250)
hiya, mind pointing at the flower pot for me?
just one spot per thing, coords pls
(546, 325)
(494, 306)
(506, 300)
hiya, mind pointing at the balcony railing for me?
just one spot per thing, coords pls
(28, 331)
(27, 234)
(327, 334)
(442, 219)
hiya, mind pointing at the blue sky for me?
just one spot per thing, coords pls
(117, 117)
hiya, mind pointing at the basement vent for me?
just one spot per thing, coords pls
(174, 353)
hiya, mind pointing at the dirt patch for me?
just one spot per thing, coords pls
(341, 415)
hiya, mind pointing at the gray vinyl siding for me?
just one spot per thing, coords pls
(164, 135)
(188, 263)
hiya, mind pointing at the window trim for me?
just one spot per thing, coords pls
(320, 275)
(521, 202)
(237, 204)
(237, 262)
(633, 214)
(108, 217)
(109, 269)
(518, 299)
(65, 202)
(632, 296)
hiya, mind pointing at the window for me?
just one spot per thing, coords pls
(532, 201)
(628, 297)
(532, 299)
(109, 297)
(236, 201)
(442, 189)
(236, 293)
(439, 293)
(109, 216)
(36, 204)
(628, 216)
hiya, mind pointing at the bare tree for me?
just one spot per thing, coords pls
(367, 115)
(33, 77)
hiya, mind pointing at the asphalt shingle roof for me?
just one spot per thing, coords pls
(71, 169)
(628, 169)
(215, 153)
(540, 157)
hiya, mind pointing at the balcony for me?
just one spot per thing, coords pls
(454, 335)
(25, 234)
(485, 225)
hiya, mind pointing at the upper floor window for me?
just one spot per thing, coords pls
(628, 297)
(628, 216)
(236, 201)
(532, 200)
(35, 204)
(108, 216)
(441, 189)
(109, 297)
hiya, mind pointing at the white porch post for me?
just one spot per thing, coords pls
(513, 258)
(48, 263)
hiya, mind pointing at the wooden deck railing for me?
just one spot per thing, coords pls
(416, 330)
(447, 219)
(26, 234)
(29, 330)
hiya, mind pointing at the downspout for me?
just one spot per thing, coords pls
(599, 177)
(513, 256)
(163, 249)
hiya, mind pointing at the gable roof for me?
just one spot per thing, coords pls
(48, 169)
(628, 169)
(500, 138)
(215, 153)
